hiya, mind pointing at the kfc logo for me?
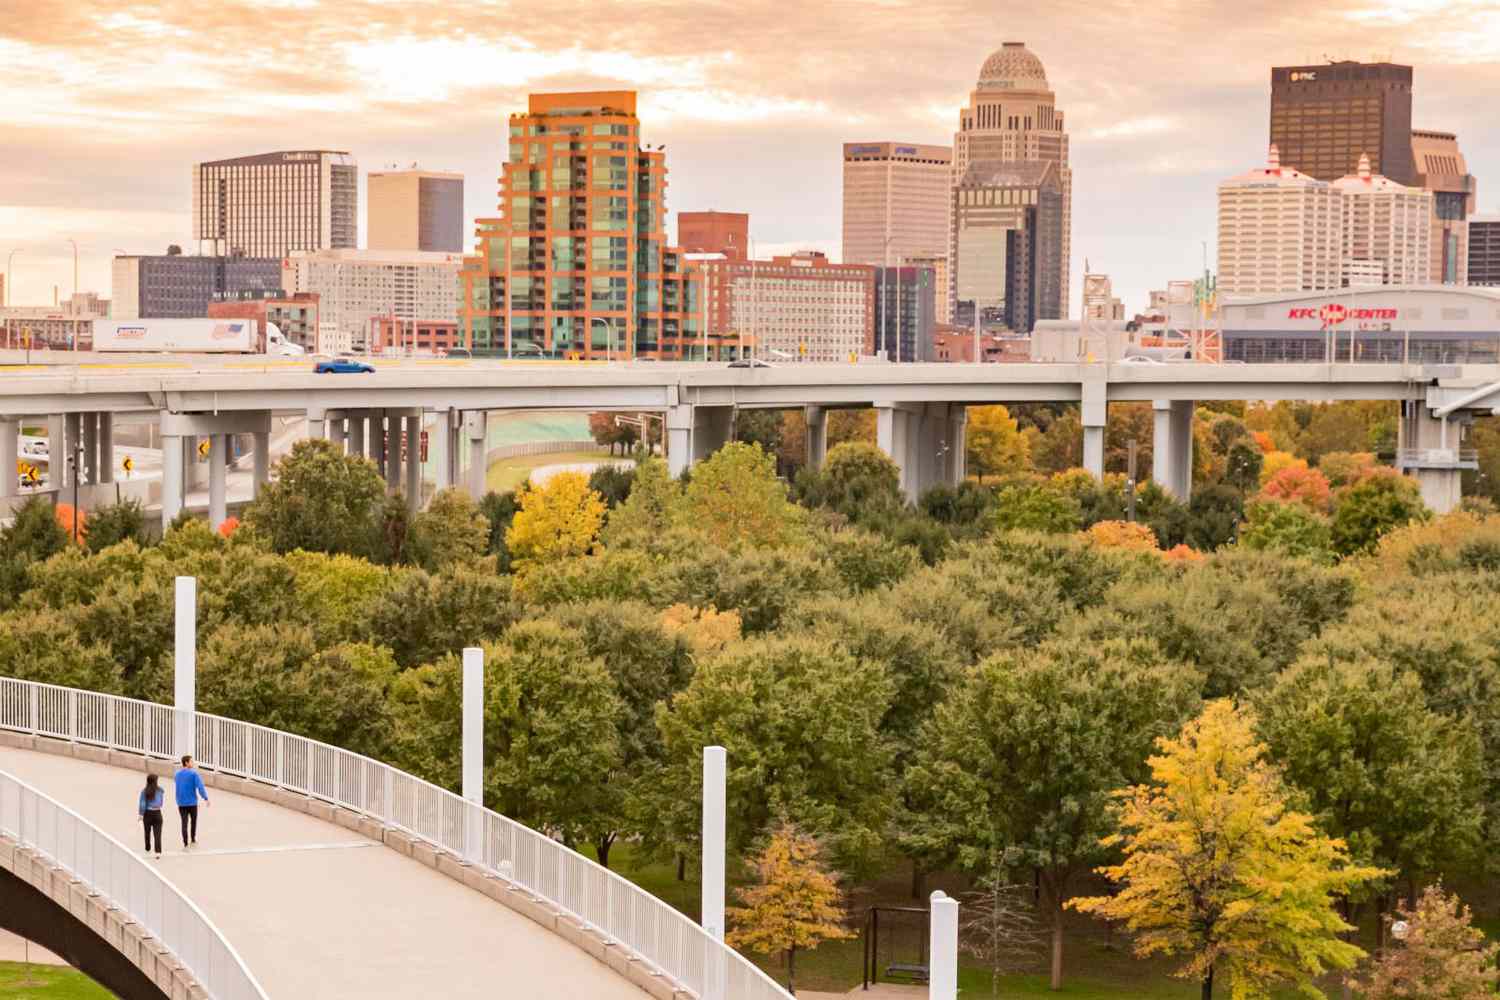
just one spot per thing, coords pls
(1335, 313)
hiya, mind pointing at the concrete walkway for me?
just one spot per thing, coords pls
(317, 911)
(542, 473)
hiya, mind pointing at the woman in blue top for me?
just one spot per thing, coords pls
(149, 808)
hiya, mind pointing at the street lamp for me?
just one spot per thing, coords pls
(8, 261)
(609, 335)
(75, 270)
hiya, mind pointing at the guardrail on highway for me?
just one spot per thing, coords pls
(667, 941)
(129, 882)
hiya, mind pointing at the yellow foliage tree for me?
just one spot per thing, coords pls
(1130, 535)
(1217, 868)
(706, 631)
(558, 520)
(994, 444)
(735, 499)
(794, 902)
(1276, 461)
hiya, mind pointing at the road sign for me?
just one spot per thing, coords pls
(128, 465)
(29, 474)
(204, 445)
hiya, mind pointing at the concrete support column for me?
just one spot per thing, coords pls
(414, 462)
(894, 433)
(317, 425)
(1094, 414)
(942, 982)
(1429, 450)
(218, 462)
(357, 428)
(380, 441)
(185, 663)
(444, 450)
(10, 454)
(392, 451)
(958, 429)
(90, 427)
(1093, 450)
(106, 447)
(919, 453)
(472, 752)
(1172, 446)
(262, 458)
(817, 435)
(172, 480)
(336, 434)
(57, 450)
(696, 432)
(476, 425)
(679, 442)
(73, 436)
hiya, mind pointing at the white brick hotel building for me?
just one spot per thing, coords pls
(356, 286)
(1279, 231)
(797, 308)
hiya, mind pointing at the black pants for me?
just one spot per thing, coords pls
(189, 816)
(151, 821)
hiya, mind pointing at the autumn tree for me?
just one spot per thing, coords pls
(793, 903)
(735, 499)
(1298, 484)
(450, 532)
(321, 500)
(1018, 765)
(1441, 955)
(1373, 506)
(1289, 528)
(998, 927)
(1220, 870)
(557, 520)
(994, 444)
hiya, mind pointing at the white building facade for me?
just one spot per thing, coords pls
(358, 286)
(1279, 231)
(1387, 229)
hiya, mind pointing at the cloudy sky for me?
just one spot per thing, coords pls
(106, 105)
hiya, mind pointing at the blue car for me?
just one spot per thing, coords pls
(342, 366)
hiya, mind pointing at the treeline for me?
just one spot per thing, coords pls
(960, 684)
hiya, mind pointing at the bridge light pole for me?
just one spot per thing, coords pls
(473, 751)
(942, 982)
(185, 661)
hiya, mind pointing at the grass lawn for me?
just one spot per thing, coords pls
(47, 982)
(508, 473)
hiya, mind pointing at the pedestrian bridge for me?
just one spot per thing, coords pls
(318, 873)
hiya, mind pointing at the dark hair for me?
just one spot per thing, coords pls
(186, 759)
(150, 792)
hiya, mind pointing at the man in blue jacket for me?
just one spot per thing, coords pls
(189, 790)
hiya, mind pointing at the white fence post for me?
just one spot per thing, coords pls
(185, 663)
(473, 752)
(714, 764)
(942, 983)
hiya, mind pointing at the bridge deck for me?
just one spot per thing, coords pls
(318, 911)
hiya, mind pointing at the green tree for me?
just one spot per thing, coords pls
(1214, 515)
(1220, 870)
(857, 480)
(1289, 528)
(994, 444)
(1242, 464)
(1036, 507)
(612, 482)
(421, 617)
(42, 645)
(1018, 767)
(761, 583)
(1400, 784)
(1060, 446)
(115, 523)
(320, 500)
(735, 499)
(793, 903)
(1372, 507)
(499, 509)
(337, 593)
(799, 718)
(450, 532)
(551, 730)
(651, 510)
(32, 536)
(866, 561)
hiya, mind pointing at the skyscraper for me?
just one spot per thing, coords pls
(271, 204)
(1279, 231)
(1007, 244)
(1441, 169)
(577, 260)
(727, 233)
(1484, 250)
(1387, 229)
(1323, 118)
(1012, 117)
(895, 201)
(415, 210)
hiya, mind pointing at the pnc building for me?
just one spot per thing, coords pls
(1323, 118)
(576, 262)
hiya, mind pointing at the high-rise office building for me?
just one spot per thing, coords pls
(1484, 250)
(796, 308)
(1441, 169)
(271, 204)
(415, 210)
(1387, 229)
(1324, 118)
(895, 201)
(182, 286)
(941, 272)
(727, 233)
(1279, 231)
(1012, 117)
(577, 263)
(1007, 245)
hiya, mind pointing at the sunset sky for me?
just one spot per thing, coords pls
(106, 105)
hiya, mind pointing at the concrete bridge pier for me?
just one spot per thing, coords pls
(816, 419)
(476, 431)
(445, 449)
(1429, 449)
(179, 436)
(696, 432)
(357, 428)
(10, 454)
(1172, 447)
(925, 440)
(413, 485)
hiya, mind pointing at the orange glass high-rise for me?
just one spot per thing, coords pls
(576, 264)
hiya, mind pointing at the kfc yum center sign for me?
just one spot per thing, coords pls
(1333, 314)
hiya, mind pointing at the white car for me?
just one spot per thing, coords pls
(1141, 359)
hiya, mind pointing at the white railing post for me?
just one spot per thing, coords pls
(942, 983)
(473, 752)
(185, 663)
(715, 765)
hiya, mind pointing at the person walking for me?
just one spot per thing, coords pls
(149, 807)
(189, 790)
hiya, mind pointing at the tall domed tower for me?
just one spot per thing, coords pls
(1012, 117)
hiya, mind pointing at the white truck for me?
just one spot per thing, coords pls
(191, 336)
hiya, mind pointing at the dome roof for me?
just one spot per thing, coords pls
(1013, 67)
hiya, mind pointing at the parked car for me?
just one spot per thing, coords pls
(750, 363)
(342, 366)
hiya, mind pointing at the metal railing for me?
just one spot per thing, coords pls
(666, 940)
(129, 883)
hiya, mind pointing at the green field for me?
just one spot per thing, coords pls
(508, 473)
(47, 982)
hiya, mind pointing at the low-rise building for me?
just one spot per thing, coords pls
(421, 337)
(180, 286)
(355, 287)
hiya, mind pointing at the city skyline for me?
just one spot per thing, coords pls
(1162, 105)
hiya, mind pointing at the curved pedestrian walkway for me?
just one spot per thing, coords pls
(319, 911)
